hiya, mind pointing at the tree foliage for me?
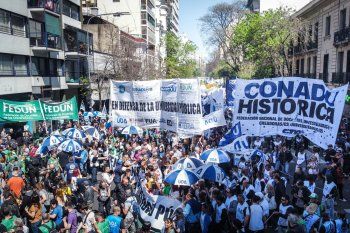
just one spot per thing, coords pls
(251, 44)
(180, 62)
(264, 40)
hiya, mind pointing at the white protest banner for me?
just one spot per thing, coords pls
(173, 105)
(155, 208)
(214, 119)
(289, 106)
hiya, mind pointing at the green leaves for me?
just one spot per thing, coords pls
(180, 61)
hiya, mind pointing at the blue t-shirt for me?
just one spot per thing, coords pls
(115, 223)
(70, 167)
(59, 214)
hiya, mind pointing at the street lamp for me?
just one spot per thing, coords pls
(114, 14)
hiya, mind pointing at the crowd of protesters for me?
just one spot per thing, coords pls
(94, 190)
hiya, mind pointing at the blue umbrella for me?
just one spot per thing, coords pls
(188, 163)
(132, 130)
(51, 141)
(215, 156)
(181, 177)
(257, 157)
(92, 131)
(74, 133)
(70, 146)
(211, 172)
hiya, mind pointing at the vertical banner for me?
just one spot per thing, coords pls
(289, 106)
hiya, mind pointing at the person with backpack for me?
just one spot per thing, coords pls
(311, 218)
(47, 225)
(192, 208)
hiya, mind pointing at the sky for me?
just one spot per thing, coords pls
(192, 10)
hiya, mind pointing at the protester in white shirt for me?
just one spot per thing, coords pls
(255, 217)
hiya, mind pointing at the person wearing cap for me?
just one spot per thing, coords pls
(248, 189)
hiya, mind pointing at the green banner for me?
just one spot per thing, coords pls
(13, 111)
(20, 111)
(61, 110)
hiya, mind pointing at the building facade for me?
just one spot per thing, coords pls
(43, 50)
(322, 50)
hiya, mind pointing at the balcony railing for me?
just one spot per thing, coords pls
(303, 48)
(324, 77)
(76, 41)
(342, 36)
(52, 5)
(46, 40)
(13, 31)
(74, 77)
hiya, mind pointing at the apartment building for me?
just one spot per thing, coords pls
(264, 5)
(43, 50)
(322, 50)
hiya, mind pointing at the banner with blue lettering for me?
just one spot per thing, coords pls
(173, 105)
(289, 106)
(214, 119)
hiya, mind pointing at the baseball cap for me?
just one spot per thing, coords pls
(313, 195)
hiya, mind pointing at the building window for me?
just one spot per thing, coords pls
(328, 26)
(308, 65)
(35, 33)
(13, 65)
(20, 65)
(302, 63)
(297, 66)
(6, 65)
(314, 64)
(71, 10)
(12, 24)
(342, 20)
(340, 62)
(116, 0)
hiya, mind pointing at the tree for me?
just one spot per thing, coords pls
(264, 40)
(217, 27)
(180, 60)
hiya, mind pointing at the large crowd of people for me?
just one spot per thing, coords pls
(94, 190)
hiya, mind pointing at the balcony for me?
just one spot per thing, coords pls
(45, 42)
(74, 78)
(42, 5)
(342, 36)
(78, 43)
(340, 78)
(324, 77)
(303, 48)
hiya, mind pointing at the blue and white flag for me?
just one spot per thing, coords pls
(240, 144)
(231, 135)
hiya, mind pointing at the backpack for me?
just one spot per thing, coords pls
(51, 229)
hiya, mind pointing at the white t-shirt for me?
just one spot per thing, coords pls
(218, 213)
(256, 220)
(240, 212)
(89, 220)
